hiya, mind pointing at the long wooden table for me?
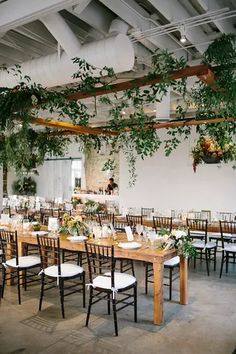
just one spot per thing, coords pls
(145, 253)
(213, 227)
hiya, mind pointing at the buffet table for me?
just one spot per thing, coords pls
(101, 198)
(155, 256)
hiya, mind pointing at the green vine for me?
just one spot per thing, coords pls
(23, 147)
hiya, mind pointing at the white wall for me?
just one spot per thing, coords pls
(167, 183)
(54, 180)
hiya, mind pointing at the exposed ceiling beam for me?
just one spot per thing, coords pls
(139, 19)
(77, 129)
(70, 129)
(37, 32)
(172, 10)
(208, 79)
(96, 15)
(15, 13)
(183, 123)
(143, 81)
(225, 26)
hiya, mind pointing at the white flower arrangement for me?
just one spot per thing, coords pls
(178, 239)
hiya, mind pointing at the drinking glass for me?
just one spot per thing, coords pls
(139, 230)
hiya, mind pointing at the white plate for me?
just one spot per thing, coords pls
(40, 233)
(77, 238)
(129, 245)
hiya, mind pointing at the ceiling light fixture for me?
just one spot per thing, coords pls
(183, 38)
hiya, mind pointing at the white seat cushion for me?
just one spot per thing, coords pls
(172, 262)
(197, 233)
(201, 244)
(230, 248)
(24, 262)
(67, 270)
(218, 235)
(122, 280)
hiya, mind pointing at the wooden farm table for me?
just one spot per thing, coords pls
(145, 253)
(213, 227)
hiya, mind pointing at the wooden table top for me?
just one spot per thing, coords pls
(145, 253)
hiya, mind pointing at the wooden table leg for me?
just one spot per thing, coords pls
(183, 280)
(158, 269)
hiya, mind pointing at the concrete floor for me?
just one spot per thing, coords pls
(207, 325)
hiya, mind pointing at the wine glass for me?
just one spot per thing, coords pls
(139, 230)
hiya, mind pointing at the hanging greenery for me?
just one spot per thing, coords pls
(24, 147)
(24, 186)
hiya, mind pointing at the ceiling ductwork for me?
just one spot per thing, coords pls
(116, 52)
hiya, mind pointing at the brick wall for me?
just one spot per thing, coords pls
(95, 177)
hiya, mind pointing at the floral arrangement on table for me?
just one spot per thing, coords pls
(76, 201)
(90, 206)
(74, 225)
(208, 150)
(178, 239)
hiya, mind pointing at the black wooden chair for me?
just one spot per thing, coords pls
(147, 212)
(172, 265)
(105, 218)
(106, 284)
(228, 243)
(55, 274)
(22, 268)
(162, 222)
(133, 220)
(197, 231)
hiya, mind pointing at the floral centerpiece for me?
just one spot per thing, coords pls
(208, 150)
(90, 206)
(178, 239)
(74, 225)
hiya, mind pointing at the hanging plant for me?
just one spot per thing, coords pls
(208, 150)
(24, 186)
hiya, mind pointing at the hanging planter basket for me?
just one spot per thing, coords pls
(211, 159)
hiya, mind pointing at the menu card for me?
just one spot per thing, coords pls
(129, 233)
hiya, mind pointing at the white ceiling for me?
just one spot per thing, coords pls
(23, 36)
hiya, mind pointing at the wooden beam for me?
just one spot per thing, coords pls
(183, 123)
(166, 125)
(208, 79)
(76, 129)
(196, 70)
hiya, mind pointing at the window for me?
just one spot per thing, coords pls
(76, 173)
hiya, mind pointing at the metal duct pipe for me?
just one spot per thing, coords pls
(116, 52)
(63, 34)
(118, 26)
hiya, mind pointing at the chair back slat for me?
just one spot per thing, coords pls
(106, 218)
(100, 260)
(225, 216)
(49, 250)
(133, 220)
(162, 222)
(89, 217)
(147, 212)
(9, 245)
(227, 227)
(195, 225)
